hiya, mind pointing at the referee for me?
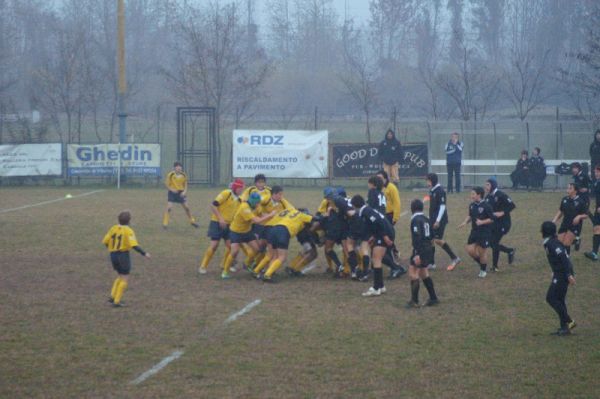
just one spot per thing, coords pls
(562, 277)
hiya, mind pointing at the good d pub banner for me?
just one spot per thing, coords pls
(362, 160)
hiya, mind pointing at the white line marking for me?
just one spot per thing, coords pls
(177, 354)
(244, 310)
(48, 202)
(159, 366)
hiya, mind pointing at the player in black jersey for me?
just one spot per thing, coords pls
(502, 205)
(562, 277)
(438, 215)
(481, 217)
(375, 197)
(356, 236)
(422, 255)
(593, 254)
(572, 210)
(381, 238)
(582, 180)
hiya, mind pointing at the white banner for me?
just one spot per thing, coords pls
(31, 160)
(103, 159)
(280, 153)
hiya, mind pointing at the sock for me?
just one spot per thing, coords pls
(192, 219)
(504, 249)
(414, 290)
(113, 291)
(296, 261)
(366, 262)
(121, 287)
(276, 264)
(388, 260)
(483, 266)
(345, 262)
(360, 260)
(377, 278)
(303, 263)
(244, 249)
(207, 257)
(329, 261)
(227, 264)
(495, 256)
(568, 248)
(352, 261)
(260, 256)
(225, 256)
(596, 243)
(428, 283)
(250, 255)
(262, 264)
(334, 258)
(166, 218)
(449, 251)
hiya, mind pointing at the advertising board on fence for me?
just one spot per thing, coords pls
(362, 160)
(31, 160)
(103, 159)
(280, 153)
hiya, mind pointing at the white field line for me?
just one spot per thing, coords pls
(177, 354)
(159, 366)
(48, 202)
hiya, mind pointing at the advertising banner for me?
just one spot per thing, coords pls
(362, 160)
(280, 153)
(31, 160)
(103, 159)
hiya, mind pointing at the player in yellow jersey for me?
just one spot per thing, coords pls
(223, 210)
(260, 187)
(240, 232)
(288, 226)
(276, 204)
(177, 184)
(119, 240)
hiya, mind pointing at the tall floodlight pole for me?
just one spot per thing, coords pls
(122, 80)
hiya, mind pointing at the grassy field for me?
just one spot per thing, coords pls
(311, 337)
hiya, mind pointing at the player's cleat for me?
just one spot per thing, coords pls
(432, 302)
(225, 276)
(577, 243)
(267, 279)
(295, 273)
(202, 270)
(397, 272)
(452, 266)
(232, 269)
(194, 224)
(431, 266)
(118, 305)
(396, 256)
(364, 277)
(372, 292)
(495, 269)
(165, 227)
(111, 300)
(571, 325)
(591, 255)
(257, 276)
(354, 276)
(412, 305)
(482, 274)
(511, 256)
(561, 332)
(383, 290)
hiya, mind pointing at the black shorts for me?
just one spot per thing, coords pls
(482, 240)
(121, 262)
(216, 233)
(279, 237)
(258, 230)
(176, 197)
(334, 232)
(426, 259)
(380, 242)
(438, 233)
(596, 219)
(264, 232)
(357, 230)
(564, 227)
(390, 218)
(241, 238)
(305, 236)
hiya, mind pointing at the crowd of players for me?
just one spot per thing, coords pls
(260, 223)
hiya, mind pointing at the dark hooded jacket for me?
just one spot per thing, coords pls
(390, 150)
(595, 151)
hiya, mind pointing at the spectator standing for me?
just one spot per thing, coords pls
(390, 153)
(537, 170)
(454, 150)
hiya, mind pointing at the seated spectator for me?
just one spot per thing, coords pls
(537, 170)
(520, 176)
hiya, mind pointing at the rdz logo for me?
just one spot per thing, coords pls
(261, 140)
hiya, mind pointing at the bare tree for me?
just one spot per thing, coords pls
(488, 23)
(360, 73)
(391, 22)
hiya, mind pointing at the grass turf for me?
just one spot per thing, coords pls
(310, 337)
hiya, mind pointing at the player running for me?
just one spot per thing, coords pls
(177, 184)
(573, 210)
(481, 217)
(593, 254)
(422, 255)
(502, 205)
(438, 213)
(119, 240)
(582, 181)
(223, 209)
